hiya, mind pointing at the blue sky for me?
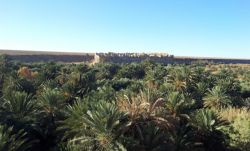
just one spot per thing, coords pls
(218, 28)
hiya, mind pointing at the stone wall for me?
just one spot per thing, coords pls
(182, 60)
(56, 58)
(134, 57)
(161, 58)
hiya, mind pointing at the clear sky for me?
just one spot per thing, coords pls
(218, 28)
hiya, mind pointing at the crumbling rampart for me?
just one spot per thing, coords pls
(93, 58)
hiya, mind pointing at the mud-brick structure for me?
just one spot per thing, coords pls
(161, 58)
(56, 58)
(133, 57)
(189, 60)
(43, 56)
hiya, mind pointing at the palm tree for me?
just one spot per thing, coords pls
(181, 137)
(15, 83)
(19, 103)
(150, 137)
(175, 103)
(97, 129)
(82, 83)
(154, 75)
(216, 98)
(51, 70)
(51, 106)
(145, 106)
(18, 106)
(207, 129)
(149, 120)
(179, 84)
(72, 125)
(107, 70)
(20, 111)
(51, 101)
(13, 141)
(200, 91)
(179, 106)
(179, 78)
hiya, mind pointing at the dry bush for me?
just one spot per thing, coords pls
(240, 124)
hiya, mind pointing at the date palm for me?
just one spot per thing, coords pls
(207, 126)
(200, 90)
(182, 79)
(19, 102)
(150, 137)
(13, 141)
(217, 98)
(18, 107)
(98, 128)
(179, 84)
(149, 122)
(178, 78)
(51, 109)
(82, 83)
(145, 106)
(179, 106)
(175, 103)
(51, 101)
(19, 111)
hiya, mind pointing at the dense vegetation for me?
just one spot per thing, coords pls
(136, 107)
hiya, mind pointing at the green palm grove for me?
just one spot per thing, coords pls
(124, 107)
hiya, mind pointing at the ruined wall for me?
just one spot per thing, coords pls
(114, 58)
(56, 58)
(134, 57)
(178, 60)
(162, 58)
